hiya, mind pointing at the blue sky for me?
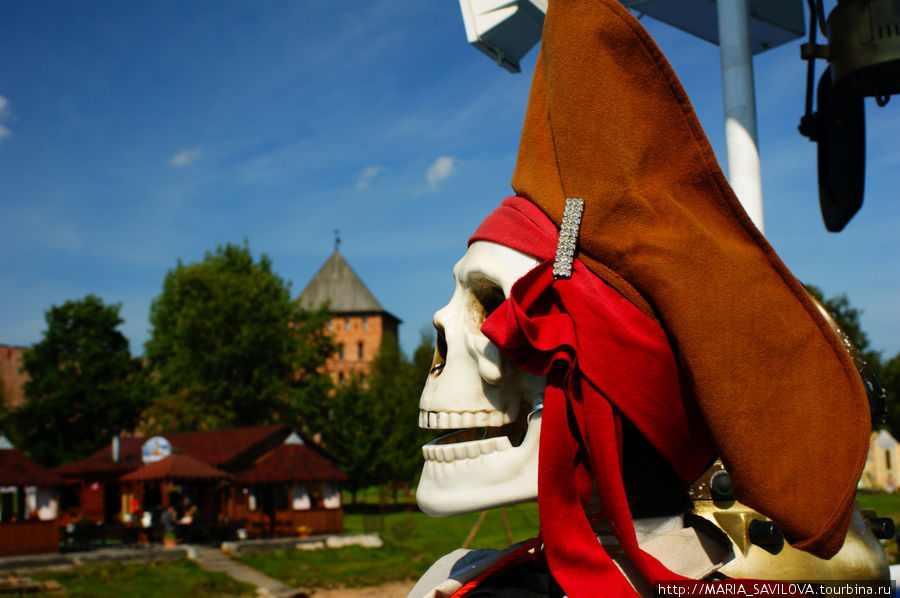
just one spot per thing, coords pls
(134, 134)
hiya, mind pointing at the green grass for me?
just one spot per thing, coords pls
(885, 505)
(173, 579)
(412, 542)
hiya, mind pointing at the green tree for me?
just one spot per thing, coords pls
(887, 372)
(310, 385)
(84, 387)
(396, 388)
(373, 430)
(5, 422)
(353, 432)
(229, 348)
(848, 319)
(890, 379)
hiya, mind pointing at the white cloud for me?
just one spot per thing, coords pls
(4, 116)
(440, 170)
(365, 177)
(185, 157)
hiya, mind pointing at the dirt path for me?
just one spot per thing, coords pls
(394, 589)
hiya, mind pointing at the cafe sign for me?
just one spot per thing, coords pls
(155, 449)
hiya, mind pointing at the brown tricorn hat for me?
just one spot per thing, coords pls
(609, 122)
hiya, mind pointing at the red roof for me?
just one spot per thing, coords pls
(291, 463)
(219, 448)
(174, 467)
(101, 462)
(18, 470)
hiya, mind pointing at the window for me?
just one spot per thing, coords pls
(12, 503)
(340, 378)
(359, 346)
(299, 497)
(315, 494)
(346, 322)
(341, 351)
(332, 498)
(282, 495)
(365, 322)
(330, 326)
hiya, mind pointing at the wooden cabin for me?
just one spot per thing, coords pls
(29, 499)
(882, 469)
(265, 480)
(292, 490)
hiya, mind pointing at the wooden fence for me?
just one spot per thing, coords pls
(31, 536)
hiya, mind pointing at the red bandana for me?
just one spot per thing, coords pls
(604, 359)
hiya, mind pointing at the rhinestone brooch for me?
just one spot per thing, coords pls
(568, 238)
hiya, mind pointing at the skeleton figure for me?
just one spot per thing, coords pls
(659, 318)
(472, 386)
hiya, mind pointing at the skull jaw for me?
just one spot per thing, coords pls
(504, 476)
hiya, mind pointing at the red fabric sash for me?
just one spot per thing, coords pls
(604, 359)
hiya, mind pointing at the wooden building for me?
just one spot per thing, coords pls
(28, 504)
(359, 322)
(266, 480)
(881, 472)
(295, 488)
(176, 476)
(12, 377)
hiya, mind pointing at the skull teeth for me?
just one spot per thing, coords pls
(449, 453)
(450, 420)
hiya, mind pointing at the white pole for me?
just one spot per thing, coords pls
(740, 106)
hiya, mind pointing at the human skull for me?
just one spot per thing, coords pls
(470, 386)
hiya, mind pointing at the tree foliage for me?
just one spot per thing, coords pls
(311, 386)
(228, 346)
(887, 371)
(889, 375)
(373, 430)
(84, 387)
(5, 420)
(396, 385)
(848, 319)
(4, 408)
(353, 431)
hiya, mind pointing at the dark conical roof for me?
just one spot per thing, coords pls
(337, 283)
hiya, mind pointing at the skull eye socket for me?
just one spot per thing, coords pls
(486, 296)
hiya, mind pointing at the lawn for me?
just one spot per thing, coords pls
(172, 579)
(884, 505)
(412, 541)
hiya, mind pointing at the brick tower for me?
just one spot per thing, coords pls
(11, 375)
(359, 323)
